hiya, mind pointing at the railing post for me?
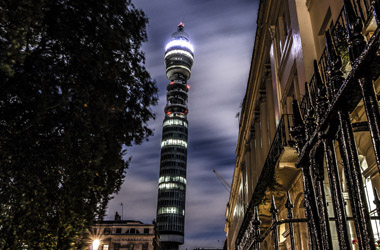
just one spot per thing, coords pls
(289, 206)
(359, 9)
(376, 201)
(318, 94)
(376, 10)
(298, 129)
(274, 211)
(256, 228)
(336, 193)
(316, 162)
(332, 168)
(309, 115)
(348, 151)
(311, 211)
(356, 45)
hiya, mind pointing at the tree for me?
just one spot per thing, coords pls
(74, 93)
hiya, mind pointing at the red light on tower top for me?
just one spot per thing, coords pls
(181, 25)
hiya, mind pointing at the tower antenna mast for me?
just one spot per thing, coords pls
(122, 210)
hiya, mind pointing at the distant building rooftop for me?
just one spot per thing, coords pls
(208, 249)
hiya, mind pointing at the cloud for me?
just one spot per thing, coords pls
(138, 196)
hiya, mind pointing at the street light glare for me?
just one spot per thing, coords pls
(95, 244)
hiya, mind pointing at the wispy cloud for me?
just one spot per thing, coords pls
(222, 33)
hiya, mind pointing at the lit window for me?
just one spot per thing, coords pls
(171, 186)
(163, 179)
(178, 66)
(106, 247)
(177, 51)
(175, 122)
(168, 210)
(176, 142)
(180, 43)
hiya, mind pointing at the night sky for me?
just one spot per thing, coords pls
(222, 33)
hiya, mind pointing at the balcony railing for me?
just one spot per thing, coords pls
(338, 33)
(281, 140)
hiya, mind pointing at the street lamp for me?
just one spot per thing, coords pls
(95, 244)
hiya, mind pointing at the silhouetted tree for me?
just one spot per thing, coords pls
(73, 94)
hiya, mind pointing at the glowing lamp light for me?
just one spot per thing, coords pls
(95, 244)
(188, 86)
(171, 82)
(168, 113)
(181, 43)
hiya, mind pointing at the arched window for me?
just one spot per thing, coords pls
(367, 182)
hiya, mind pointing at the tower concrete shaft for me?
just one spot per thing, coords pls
(172, 182)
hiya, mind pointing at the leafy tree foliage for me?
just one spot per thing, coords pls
(73, 94)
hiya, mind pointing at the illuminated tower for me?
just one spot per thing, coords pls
(172, 182)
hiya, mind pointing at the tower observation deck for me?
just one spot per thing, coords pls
(179, 56)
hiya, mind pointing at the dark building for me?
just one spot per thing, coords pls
(172, 182)
(308, 152)
(121, 234)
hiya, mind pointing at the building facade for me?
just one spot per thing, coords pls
(179, 56)
(307, 157)
(123, 234)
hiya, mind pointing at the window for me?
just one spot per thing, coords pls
(118, 230)
(172, 178)
(283, 233)
(107, 231)
(168, 210)
(129, 246)
(132, 231)
(283, 25)
(175, 122)
(116, 246)
(326, 25)
(171, 186)
(179, 43)
(177, 142)
(370, 196)
(106, 247)
(181, 52)
(146, 230)
(145, 246)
